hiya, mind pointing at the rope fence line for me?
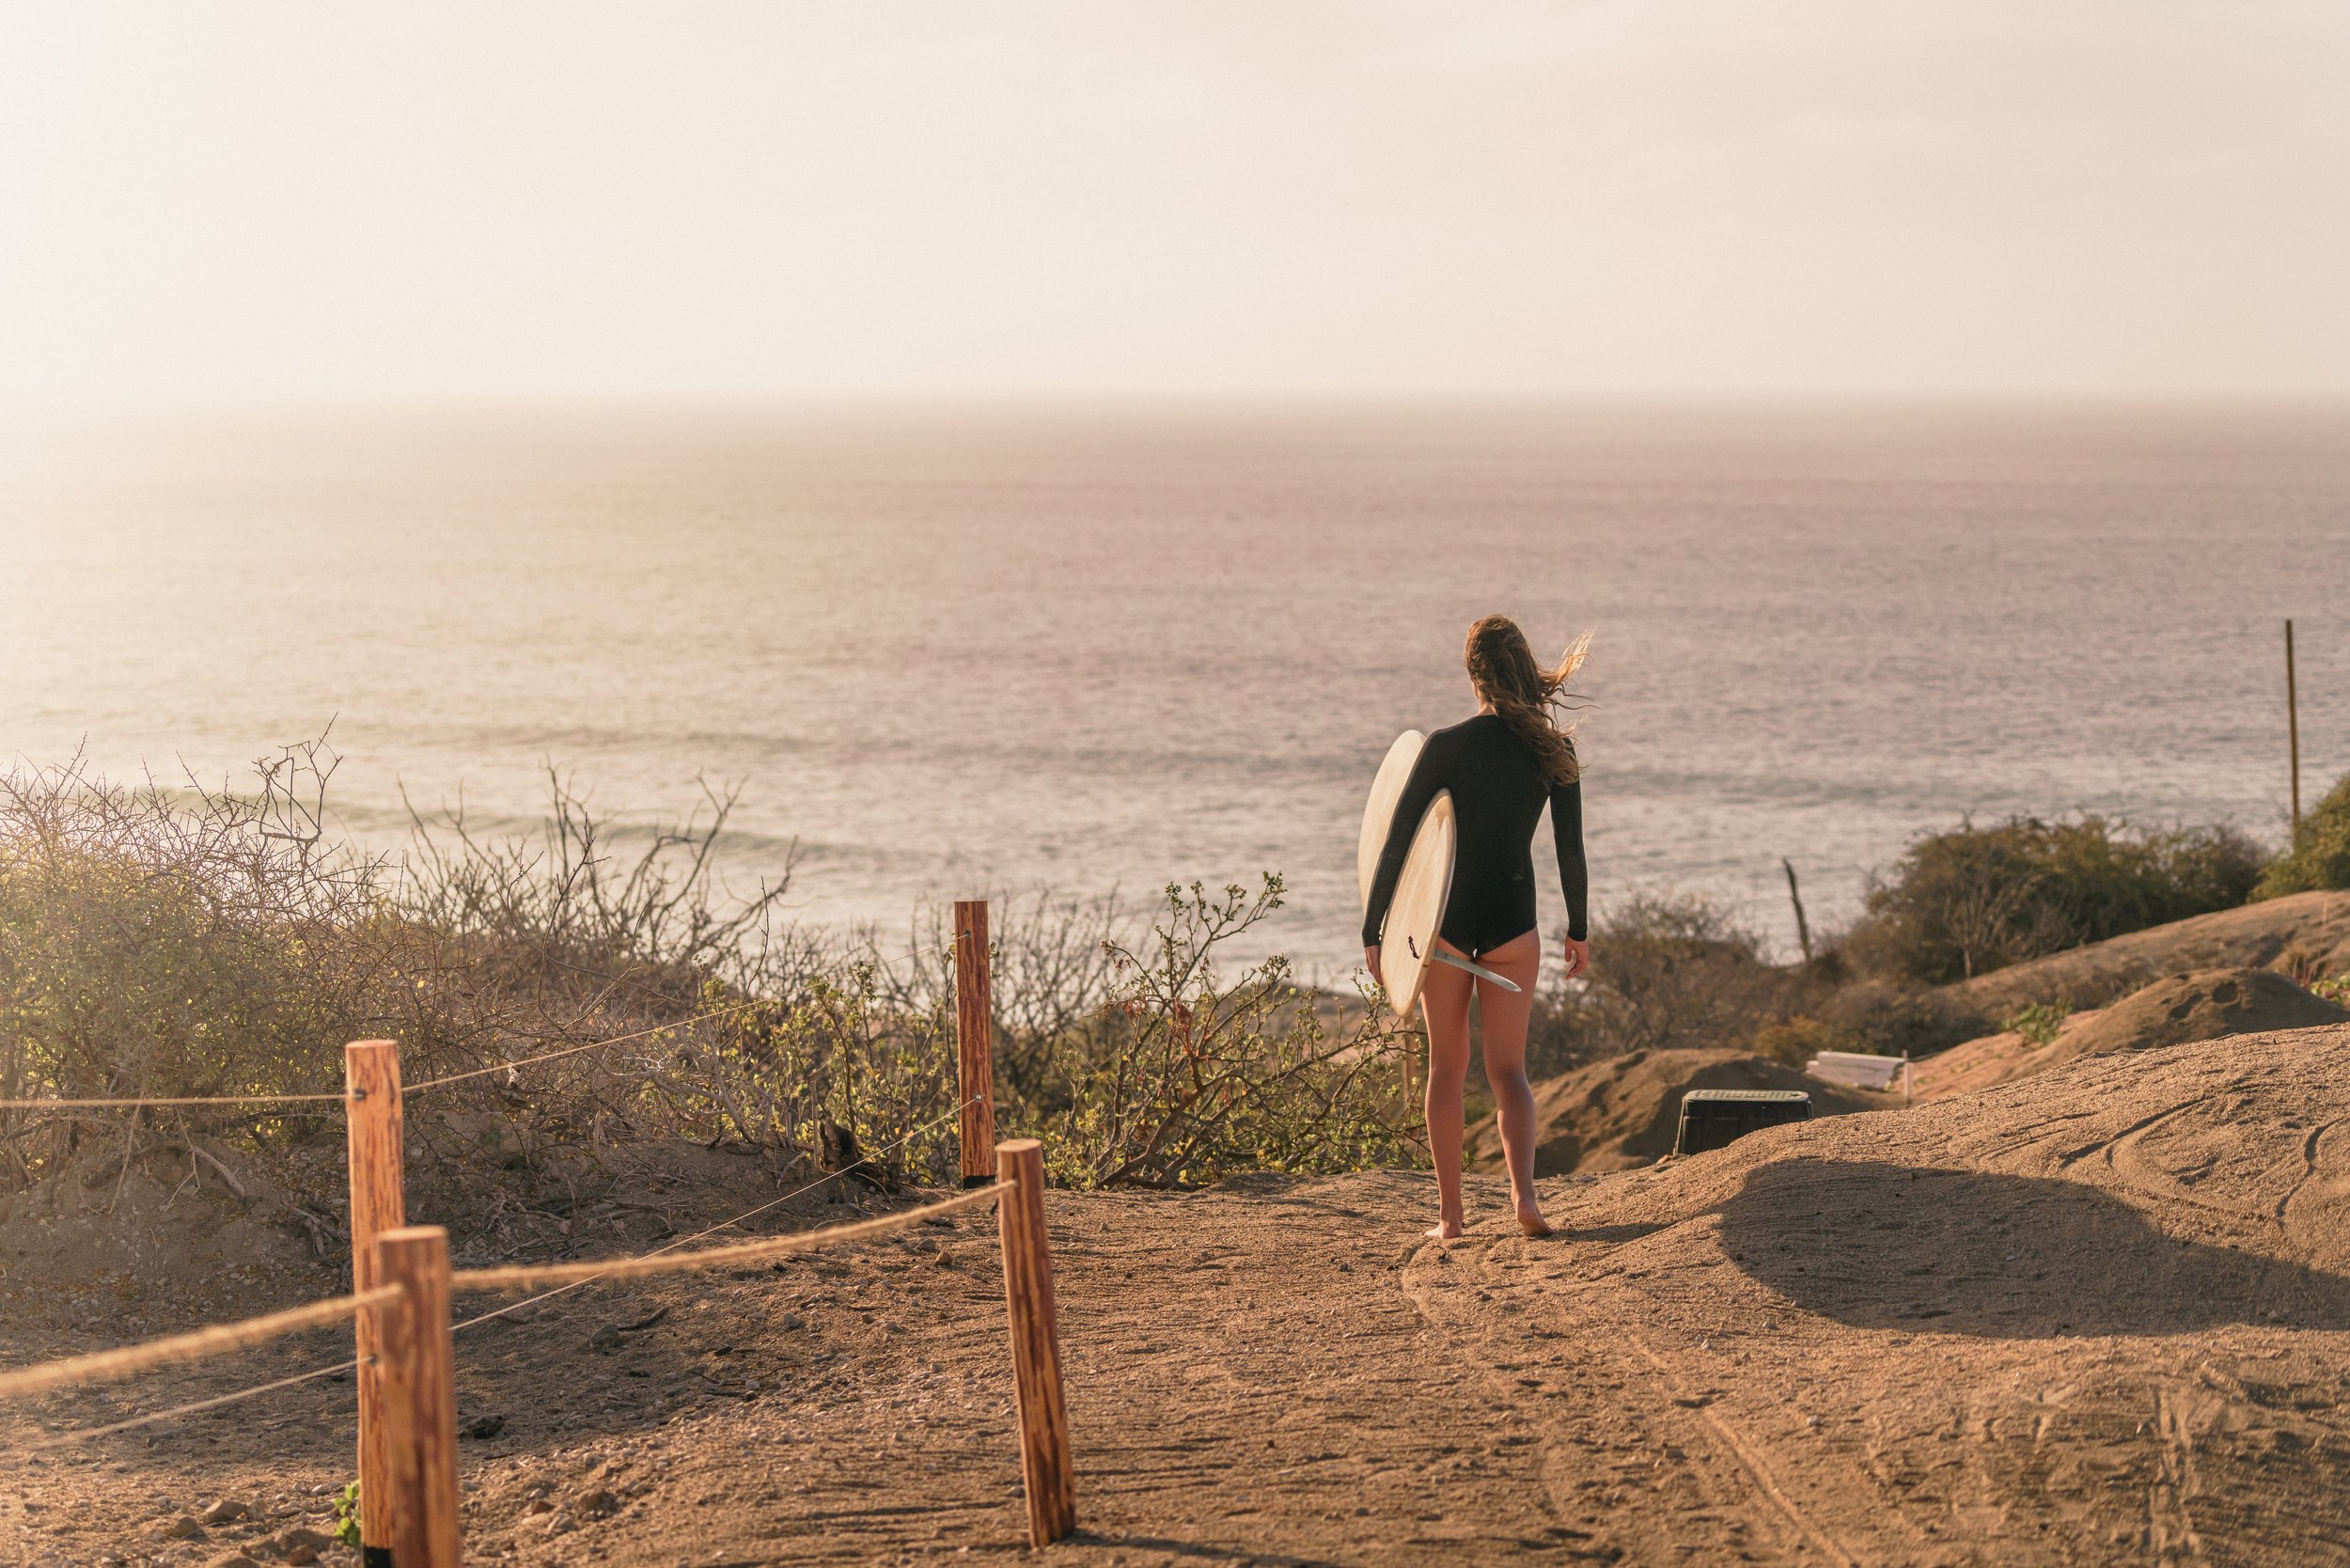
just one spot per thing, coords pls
(217, 1340)
(575, 1050)
(138, 1102)
(220, 1338)
(174, 1100)
(87, 1435)
(406, 1386)
(525, 1275)
(724, 1225)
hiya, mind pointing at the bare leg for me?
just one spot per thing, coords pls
(1444, 1001)
(1505, 1015)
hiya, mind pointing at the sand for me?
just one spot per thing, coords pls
(2096, 1316)
(2208, 1005)
(2099, 1315)
(1622, 1112)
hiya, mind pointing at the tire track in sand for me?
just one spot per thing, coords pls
(1619, 1462)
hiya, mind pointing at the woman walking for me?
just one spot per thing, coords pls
(1501, 765)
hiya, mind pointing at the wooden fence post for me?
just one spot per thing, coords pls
(1044, 1466)
(1795, 896)
(975, 1042)
(378, 1204)
(2293, 734)
(421, 1398)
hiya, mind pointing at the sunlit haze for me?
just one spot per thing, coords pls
(256, 203)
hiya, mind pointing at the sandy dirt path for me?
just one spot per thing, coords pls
(1248, 1382)
(2099, 1317)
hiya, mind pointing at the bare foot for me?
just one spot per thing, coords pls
(1533, 1224)
(1447, 1231)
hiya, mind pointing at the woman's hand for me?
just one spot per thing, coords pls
(1370, 961)
(1577, 955)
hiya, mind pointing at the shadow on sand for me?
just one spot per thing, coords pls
(1880, 1245)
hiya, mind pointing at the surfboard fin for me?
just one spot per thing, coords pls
(1459, 962)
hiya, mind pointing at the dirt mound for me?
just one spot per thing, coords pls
(2308, 932)
(1622, 1112)
(2203, 1006)
(154, 1244)
(1980, 1065)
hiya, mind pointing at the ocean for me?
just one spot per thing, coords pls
(947, 651)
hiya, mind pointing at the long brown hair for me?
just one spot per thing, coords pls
(1501, 666)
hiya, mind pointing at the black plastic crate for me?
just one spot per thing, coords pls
(1710, 1117)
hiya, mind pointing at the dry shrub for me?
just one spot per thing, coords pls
(1667, 973)
(1799, 1039)
(1672, 973)
(1870, 1018)
(1181, 1076)
(1120, 1041)
(170, 942)
(197, 941)
(1893, 1021)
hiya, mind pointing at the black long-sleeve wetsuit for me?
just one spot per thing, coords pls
(1497, 793)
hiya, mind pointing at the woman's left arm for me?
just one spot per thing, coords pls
(1566, 827)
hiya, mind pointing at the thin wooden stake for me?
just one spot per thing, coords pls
(378, 1204)
(420, 1389)
(2293, 734)
(975, 1042)
(1044, 1468)
(1795, 896)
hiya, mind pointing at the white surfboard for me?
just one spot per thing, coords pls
(1415, 914)
(1379, 810)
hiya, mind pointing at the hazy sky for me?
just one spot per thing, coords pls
(264, 202)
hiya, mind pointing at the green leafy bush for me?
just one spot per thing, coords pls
(1970, 900)
(2041, 1022)
(2320, 856)
(347, 1516)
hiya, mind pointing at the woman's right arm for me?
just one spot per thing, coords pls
(1426, 779)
